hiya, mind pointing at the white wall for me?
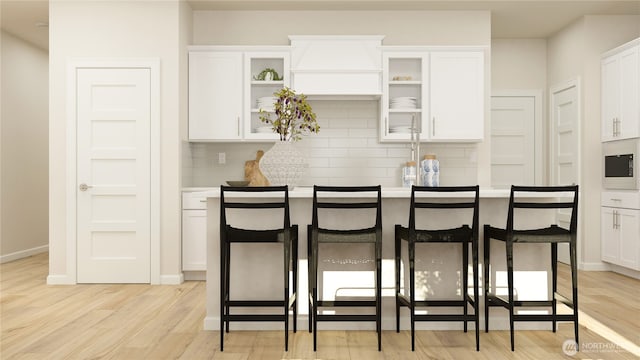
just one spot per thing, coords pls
(122, 29)
(518, 64)
(399, 28)
(576, 52)
(24, 143)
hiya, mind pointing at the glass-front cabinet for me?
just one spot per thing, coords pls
(265, 74)
(404, 102)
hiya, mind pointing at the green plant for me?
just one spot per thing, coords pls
(262, 75)
(293, 115)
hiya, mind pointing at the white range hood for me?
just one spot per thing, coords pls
(337, 67)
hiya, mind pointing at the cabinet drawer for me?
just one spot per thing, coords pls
(621, 199)
(194, 201)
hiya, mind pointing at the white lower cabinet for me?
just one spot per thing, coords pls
(194, 232)
(620, 229)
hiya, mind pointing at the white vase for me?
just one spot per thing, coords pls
(283, 164)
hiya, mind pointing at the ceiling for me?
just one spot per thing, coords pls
(509, 18)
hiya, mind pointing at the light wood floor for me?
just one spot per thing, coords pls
(165, 322)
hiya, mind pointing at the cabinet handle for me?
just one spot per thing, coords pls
(386, 125)
(433, 126)
(238, 125)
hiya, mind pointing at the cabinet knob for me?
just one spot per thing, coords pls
(84, 187)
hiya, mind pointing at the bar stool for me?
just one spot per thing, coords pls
(553, 235)
(464, 235)
(276, 197)
(324, 197)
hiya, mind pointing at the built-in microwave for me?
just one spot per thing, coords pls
(620, 165)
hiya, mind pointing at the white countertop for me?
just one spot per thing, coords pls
(306, 192)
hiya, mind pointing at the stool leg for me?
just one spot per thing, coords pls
(465, 280)
(485, 278)
(574, 286)
(227, 284)
(314, 248)
(295, 280)
(398, 247)
(476, 299)
(509, 247)
(412, 289)
(309, 277)
(554, 284)
(379, 293)
(223, 292)
(287, 258)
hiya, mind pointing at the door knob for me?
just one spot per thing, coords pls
(84, 187)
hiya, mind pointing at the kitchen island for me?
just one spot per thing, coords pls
(257, 268)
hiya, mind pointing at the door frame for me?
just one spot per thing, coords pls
(73, 65)
(539, 140)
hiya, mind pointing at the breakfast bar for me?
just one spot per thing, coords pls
(255, 272)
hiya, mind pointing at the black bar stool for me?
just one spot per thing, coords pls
(553, 235)
(464, 235)
(287, 235)
(324, 197)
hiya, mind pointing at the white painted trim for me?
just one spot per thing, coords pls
(625, 271)
(171, 279)
(539, 129)
(60, 280)
(23, 253)
(595, 267)
(153, 64)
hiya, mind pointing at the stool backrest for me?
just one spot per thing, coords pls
(550, 199)
(323, 199)
(417, 202)
(269, 203)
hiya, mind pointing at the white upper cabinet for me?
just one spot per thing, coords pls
(456, 95)
(441, 92)
(265, 74)
(621, 92)
(405, 99)
(215, 95)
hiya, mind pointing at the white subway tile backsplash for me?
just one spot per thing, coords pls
(343, 123)
(346, 151)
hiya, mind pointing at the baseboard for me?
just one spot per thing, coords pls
(595, 267)
(195, 275)
(625, 271)
(60, 280)
(24, 253)
(171, 279)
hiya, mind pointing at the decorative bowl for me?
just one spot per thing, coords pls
(238, 183)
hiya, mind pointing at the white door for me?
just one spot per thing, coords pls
(113, 175)
(565, 134)
(512, 140)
